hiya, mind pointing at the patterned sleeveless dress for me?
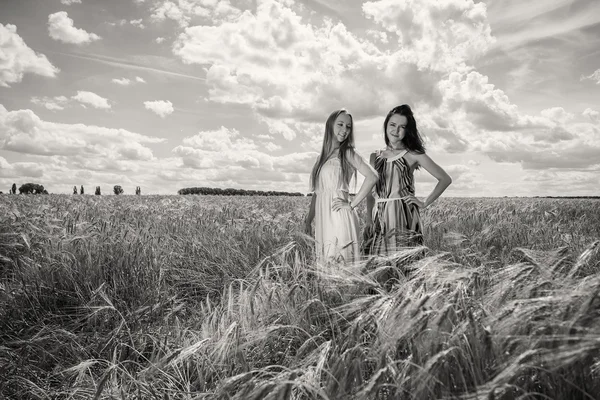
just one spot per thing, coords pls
(396, 224)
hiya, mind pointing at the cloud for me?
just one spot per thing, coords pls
(122, 81)
(159, 40)
(57, 103)
(270, 146)
(159, 107)
(557, 114)
(594, 76)
(20, 169)
(19, 59)
(226, 149)
(137, 22)
(378, 35)
(60, 27)
(250, 58)
(69, 2)
(185, 11)
(591, 114)
(91, 99)
(24, 132)
(127, 81)
(438, 35)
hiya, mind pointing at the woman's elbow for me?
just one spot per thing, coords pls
(447, 180)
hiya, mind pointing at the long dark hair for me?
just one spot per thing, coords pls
(347, 146)
(412, 139)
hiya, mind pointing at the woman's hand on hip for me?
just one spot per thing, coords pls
(339, 204)
(411, 199)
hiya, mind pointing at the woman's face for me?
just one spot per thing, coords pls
(342, 127)
(395, 129)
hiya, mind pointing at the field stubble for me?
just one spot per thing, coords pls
(184, 297)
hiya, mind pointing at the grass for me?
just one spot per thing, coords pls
(185, 297)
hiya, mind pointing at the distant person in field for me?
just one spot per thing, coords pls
(393, 219)
(336, 222)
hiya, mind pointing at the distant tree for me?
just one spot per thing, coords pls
(14, 188)
(97, 191)
(81, 190)
(118, 189)
(32, 188)
(138, 190)
(74, 189)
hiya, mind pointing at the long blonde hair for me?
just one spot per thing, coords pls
(347, 146)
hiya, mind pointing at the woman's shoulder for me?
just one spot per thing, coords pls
(416, 154)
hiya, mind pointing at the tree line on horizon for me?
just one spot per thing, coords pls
(234, 192)
(36, 188)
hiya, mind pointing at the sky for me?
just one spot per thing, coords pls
(168, 94)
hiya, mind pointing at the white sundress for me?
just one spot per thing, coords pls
(336, 232)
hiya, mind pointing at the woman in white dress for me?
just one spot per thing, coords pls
(336, 221)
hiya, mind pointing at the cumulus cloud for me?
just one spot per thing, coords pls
(61, 28)
(160, 39)
(226, 149)
(251, 57)
(185, 11)
(56, 103)
(270, 146)
(91, 99)
(557, 114)
(69, 2)
(441, 35)
(19, 59)
(161, 108)
(20, 169)
(24, 132)
(139, 79)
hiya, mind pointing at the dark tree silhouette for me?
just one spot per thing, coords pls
(118, 190)
(74, 189)
(81, 190)
(234, 192)
(14, 188)
(97, 191)
(32, 188)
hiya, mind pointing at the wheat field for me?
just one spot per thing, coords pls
(207, 297)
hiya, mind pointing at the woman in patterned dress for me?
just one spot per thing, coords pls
(336, 221)
(393, 212)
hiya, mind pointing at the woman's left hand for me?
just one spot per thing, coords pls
(410, 199)
(339, 204)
